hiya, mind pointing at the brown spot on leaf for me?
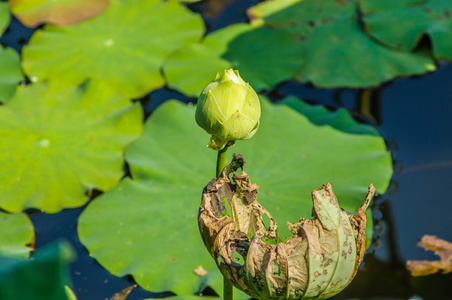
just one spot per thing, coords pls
(231, 225)
(340, 2)
(200, 271)
(300, 37)
(327, 263)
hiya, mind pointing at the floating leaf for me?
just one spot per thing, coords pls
(5, 16)
(147, 226)
(125, 46)
(441, 248)
(401, 24)
(203, 59)
(57, 142)
(336, 51)
(16, 235)
(10, 73)
(255, 51)
(317, 262)
(42, 278)
(62, 12)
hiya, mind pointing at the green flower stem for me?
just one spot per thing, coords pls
(227, 289)
(221, 160)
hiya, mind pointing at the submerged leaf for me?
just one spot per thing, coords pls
(318, 261)
(441, 248)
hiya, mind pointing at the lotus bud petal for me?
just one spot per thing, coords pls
(317, 262)
(228, 109)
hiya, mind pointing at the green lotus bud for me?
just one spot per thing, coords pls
(228, 109)
(319, 260)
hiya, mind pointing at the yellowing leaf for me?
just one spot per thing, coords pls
(57, 142)
(63, 12)
(125, 46)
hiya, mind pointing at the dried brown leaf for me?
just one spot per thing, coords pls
(318, 261)
(441, 248)
(122, 295)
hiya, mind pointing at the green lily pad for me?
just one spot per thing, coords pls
(57, 142)
(125, 46)
(203, 59)
(10, 73)
(401, 24)
(62, 12)
(239, 46)
(42, 278)
(5, 16)
(16, 235)
(336, 51)
(147, 226)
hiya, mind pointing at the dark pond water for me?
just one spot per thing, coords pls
(413, 115)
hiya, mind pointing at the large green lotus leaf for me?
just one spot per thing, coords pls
(5, 16)
(264, 56)
(203, 59)
(42, 278)
(147, 226)
(62, 12)
(336, 51)
(16, 235)
(10, 73)
(125, 46)
(400, 24)
(57, 142)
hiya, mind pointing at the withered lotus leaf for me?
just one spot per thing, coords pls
(317, 262)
